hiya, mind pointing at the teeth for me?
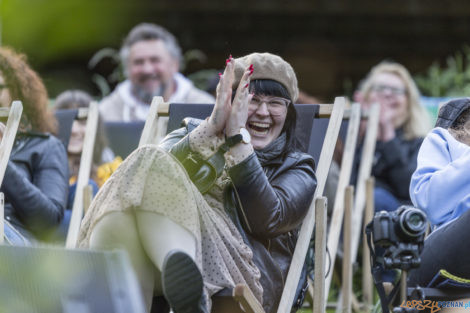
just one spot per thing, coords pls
(262, 125)
(257, 133)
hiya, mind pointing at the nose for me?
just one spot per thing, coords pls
(262, 109)
(147, 67)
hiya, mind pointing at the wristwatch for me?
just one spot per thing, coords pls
(242, 136)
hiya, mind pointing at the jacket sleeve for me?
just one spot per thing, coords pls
(203, 169)
(396, 162)
(441, 183)
(270, 208)
(40, 203)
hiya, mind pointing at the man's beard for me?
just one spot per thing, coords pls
(147, 96)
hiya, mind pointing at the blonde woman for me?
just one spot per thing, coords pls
(403, 124)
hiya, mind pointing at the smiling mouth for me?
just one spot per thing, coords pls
(259, 129)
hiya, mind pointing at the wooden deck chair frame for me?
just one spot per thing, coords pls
(364, 174)
(152, 134)
(83, 192)
(354, 115)
(343, 182)
(14, 116)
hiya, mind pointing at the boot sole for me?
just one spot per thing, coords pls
(182, 283)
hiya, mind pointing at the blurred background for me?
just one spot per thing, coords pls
(332, 44)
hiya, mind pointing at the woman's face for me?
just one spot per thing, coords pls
(76, 137)
(5, 98)
(390, 91)
(266, 118)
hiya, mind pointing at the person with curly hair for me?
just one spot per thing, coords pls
(36, 178)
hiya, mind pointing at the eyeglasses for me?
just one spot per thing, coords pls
(276, 106)
(393, 90)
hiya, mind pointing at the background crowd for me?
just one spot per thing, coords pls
(40, 179)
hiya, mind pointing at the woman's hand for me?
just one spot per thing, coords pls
(239, 113)
(222, 107)
(386, 131)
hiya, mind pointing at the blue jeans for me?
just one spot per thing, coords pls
(384, 200)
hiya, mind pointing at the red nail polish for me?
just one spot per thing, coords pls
(246, 85)
(251, 67)
(220, 74)
(251, 72)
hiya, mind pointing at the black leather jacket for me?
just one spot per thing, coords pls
(394, 164)
(36, 184)
(267, 201)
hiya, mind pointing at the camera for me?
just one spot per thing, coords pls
(401, 233)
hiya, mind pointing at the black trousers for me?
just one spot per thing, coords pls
(447, 248)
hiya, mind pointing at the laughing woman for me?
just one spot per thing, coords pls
(220, 201)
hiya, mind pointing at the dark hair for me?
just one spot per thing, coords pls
(269, 87)
(74, 99)
(457, 129)
(25, 85)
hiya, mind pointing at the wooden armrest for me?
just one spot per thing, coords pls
(247, 299)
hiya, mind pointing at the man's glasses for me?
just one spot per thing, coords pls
(393, 90)
(276, 106)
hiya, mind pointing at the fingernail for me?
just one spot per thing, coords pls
(248, 84)
(220, 74)
(251, 67)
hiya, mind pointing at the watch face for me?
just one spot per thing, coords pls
(246, 138)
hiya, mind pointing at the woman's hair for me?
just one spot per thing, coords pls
(458, 129)
(25, 85)
(268, 87)
(417, 124)
(74, 99)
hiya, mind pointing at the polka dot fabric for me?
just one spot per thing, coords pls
(152, 180)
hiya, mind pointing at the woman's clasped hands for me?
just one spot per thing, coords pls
(229, 116)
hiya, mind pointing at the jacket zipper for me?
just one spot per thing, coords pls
(274, 261)
(249, 228)
(241, 207)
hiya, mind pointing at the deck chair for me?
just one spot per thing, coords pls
(123, 137)
(83, 192)
(152, 134)
(344, 178)
(14, 116)
(362, 194)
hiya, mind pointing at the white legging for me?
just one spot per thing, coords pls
(147, 237)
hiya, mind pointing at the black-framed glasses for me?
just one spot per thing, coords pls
(276, 105)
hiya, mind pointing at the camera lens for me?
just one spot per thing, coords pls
(413, 222)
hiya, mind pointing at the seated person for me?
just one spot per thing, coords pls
(150, 56)
(218, 202)
(403, 123)
(441, 187)
(103, 156)
(36, 179)
(74, 99)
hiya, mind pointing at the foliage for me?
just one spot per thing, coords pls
(449, 81)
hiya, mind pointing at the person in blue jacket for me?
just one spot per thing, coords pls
(441, 187)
